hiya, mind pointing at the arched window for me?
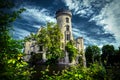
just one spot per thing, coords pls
(67, 28)
(67, 20)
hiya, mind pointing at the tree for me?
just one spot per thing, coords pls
(12, 67)
(92, 54)
(50, 37)
(107, 50)
(117, 51)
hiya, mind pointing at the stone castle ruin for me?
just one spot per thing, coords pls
(63, 17)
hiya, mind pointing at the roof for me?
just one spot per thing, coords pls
(63, 11)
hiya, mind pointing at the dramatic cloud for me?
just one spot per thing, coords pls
(104, 13)
(86, 8)
(97, 21)
(20, 33)
(83, 10)
(38, 14)
(32, 19)
(109, 18)
(91, 40)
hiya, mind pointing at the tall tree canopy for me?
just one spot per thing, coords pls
(12, 67)
(107, 50)
(92, 54)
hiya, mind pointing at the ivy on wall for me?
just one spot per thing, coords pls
(70, 48)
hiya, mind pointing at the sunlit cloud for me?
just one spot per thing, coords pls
(37, 14)
(20, 33)
(109, 18)
(34, 18)
(79, 8)
(97, 21)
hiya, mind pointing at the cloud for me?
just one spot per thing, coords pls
(88, 40)
(104, 13)
(20, 33)
(79, 8)
(86, 8)
(77, 33)
(109, 18)
(31, 19)
(92, 36)
(40, 15)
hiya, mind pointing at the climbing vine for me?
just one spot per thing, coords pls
(71, 50)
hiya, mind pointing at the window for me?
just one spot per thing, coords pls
(67, 20)
(62, 45)
(68, 36)
(32, 53)
(40, 48)
(67, 28)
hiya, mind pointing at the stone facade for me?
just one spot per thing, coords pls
(63, 18)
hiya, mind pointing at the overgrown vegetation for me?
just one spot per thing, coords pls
(105, 66)
(97, 62)
(92, 54)
(72, 51)
(94, 72)
(53, 50)
(12, 67)
(49, 37)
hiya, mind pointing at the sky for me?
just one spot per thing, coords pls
(97, 21)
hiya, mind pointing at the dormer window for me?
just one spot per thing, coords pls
(67, 20)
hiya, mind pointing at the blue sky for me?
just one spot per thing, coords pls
(97, 21)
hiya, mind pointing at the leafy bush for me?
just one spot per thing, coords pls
(94, 72)
(12, 67)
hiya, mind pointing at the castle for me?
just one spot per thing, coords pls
(63, 17)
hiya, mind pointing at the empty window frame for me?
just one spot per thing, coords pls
(67, 20)
(68, 36)
(40, 48)
(67, 28)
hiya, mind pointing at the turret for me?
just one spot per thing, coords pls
(63, 17)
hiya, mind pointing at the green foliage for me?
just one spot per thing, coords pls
(113, 73)
(32, 36)
(73, 52)
(15, 68)
(94, 72)
(6, 19)
(107, 50)
(12, 67)
(80, 60)
(92, 54)
(35, 58)
(50, 36)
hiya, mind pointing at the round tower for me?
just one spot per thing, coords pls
(63, 17)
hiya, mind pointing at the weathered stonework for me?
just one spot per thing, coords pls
(63, 18)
